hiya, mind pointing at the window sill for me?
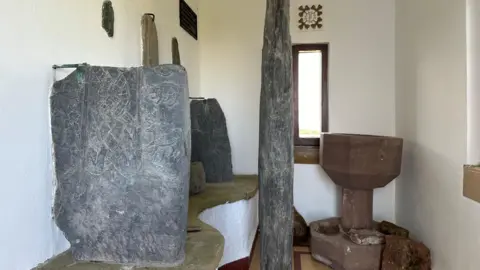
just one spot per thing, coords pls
(307, 155)
(471, 182)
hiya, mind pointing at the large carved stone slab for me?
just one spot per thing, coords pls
(121, 140)
(210, 142)
(276, 140)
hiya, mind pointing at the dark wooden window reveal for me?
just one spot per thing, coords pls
(188, 19)
(310, 82)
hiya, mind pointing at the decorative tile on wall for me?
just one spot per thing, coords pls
(310, 17)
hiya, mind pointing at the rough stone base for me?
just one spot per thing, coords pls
(330, 245)
(403, 253)
(389, 228)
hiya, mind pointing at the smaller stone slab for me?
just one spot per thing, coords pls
(404, 253)
(108, 18)
(210, 141)
(150, 56)
(175, 52)
(197, 178)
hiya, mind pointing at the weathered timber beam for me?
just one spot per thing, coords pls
(276, 157)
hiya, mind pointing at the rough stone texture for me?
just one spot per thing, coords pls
(405, 254)
(301, 231)
(121, 142)
(210, 142)
(276, 157)
(328, 245)
(175, 52)
(108, 18)
(204, 249)
(150, 53)
(197, 178)
(366, 237)
(389, 228)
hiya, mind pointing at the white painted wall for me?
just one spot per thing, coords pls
(238, 223)
(431, 114)
(34, 36)
(361, 37)
(473, 81)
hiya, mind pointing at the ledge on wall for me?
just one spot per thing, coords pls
(204, 249)
(471, 182)
(307, 155)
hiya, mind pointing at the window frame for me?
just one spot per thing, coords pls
(296, 49)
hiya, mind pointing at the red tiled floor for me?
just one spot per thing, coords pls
(301, 259)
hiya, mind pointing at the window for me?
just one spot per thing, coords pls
(310, 78)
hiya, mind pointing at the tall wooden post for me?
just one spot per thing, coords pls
(276, 140)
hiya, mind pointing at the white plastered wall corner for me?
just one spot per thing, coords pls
(431, 114)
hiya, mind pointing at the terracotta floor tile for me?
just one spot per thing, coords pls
(301, 259)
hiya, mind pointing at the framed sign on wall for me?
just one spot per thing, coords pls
(188, 19)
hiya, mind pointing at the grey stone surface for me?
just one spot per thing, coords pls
(204, 249)
(210, 142)
(121, 142)
(276, 140)
(108, 18)
(175, 52)
(150, 52)
(198, 182)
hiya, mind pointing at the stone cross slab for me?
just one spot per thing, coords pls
(121, 141)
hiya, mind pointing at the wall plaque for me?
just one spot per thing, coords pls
(310, 17)
(188, 19)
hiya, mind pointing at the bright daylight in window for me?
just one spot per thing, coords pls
(309, 93)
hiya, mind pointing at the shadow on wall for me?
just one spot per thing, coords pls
(424, 167)
(312, 182)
